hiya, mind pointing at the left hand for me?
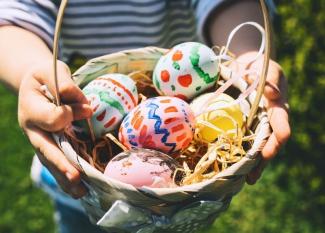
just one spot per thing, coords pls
(275, 94)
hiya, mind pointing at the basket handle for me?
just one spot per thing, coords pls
(57, 30)
(261, 85)
(265, 67)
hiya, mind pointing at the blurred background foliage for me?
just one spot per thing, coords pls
(290, 197)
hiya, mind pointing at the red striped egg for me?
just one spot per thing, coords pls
(111, 96)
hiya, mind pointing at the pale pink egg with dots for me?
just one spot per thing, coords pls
(143, 167)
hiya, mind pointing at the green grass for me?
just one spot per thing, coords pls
(289, 198)
(23, 208)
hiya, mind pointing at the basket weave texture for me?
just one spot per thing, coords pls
(120, 207)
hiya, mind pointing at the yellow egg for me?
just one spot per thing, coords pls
(216, 116)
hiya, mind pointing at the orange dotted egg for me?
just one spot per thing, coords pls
(177, 55)
(187, 70)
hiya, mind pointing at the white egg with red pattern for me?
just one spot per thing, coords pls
(187, 70)
(111, 96)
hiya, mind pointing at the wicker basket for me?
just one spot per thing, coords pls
(120, 207)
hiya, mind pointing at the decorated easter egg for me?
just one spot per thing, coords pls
(187, 70)
(162, 123)
(111, 96)
(221, 115)
(142, 167)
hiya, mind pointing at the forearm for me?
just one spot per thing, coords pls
(20, 50)
(225, 19)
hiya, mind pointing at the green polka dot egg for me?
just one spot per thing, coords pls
(186, 71)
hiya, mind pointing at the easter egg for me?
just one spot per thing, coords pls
(142, 167)
(162, 123)
(220, 112)
(111, 97)
(187, 70)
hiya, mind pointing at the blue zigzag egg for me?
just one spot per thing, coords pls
(162, 123)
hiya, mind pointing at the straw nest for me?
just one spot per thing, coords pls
(201, 160)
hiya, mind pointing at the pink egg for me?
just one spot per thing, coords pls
(162, 123)
(142, 167)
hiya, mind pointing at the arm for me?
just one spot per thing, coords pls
(225, 18)
(20, 50)
(245, 46)
(25, 65)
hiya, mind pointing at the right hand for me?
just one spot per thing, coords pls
(275, 101)
(39, 117)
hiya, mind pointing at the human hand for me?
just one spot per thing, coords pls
(38, 117)
(275, 101)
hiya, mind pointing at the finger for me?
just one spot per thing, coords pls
(71, 93)
(68, 90)
(274, 80)
(74, 190)
(50, 117)
(279, 121)
(272, 91)
(52, 157)
(271, 147)
(276, 90)
(256, 173)
(81, 111)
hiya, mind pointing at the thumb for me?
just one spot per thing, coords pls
(60, 116)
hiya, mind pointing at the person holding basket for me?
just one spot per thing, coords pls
(95, 28)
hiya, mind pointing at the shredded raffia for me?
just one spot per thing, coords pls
(96, 155)
(201, 160)
(219, 155)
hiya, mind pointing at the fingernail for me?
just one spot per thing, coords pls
(88, 110)
(72, 177)
(69, 176)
